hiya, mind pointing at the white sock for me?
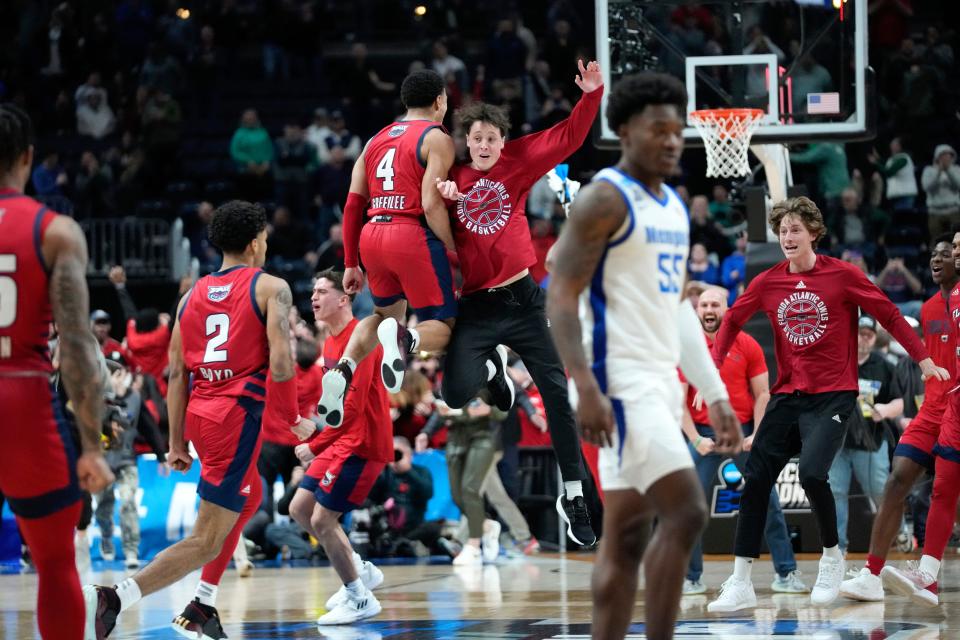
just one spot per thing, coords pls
(930, 565)
(357, 560)
(414, 340)
(742, 568)
(355, 588)
(491, 370)
(129, 593)
(350, 363)
(206, 593)
(573, 489)
(833, 552)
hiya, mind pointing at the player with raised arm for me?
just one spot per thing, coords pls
(627, 240)
(403, 246)
(813, 303)
(232, 337)
(43, 262)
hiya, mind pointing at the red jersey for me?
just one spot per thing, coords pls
(149, 348)
(224, 341)
(395, 168)
(940, 338)
(308, 395)
(490, 226)
(743, 362)
(814, 316)
(25, 312)
(367, 430)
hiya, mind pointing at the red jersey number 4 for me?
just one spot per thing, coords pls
(385, 169)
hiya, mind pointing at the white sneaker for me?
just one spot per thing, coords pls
(469, 556)
(918, 585)
(490, 541)
(370, 575)
(829, 577)
(132, 563)
(352, 609)
(82, 551)
(790, 583)
(735, 594)
(394, 362)
(693, 587)
(864, 587)
(330, 407)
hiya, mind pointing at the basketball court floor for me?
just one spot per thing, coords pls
(543, 597)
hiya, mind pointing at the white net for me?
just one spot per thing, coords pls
(726, 135)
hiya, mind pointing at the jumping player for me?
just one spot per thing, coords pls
(914, 453)
(627, 239)
(231, 327)
(345, 462)
(404, 245)
(812, 302)
(43, 259)
(501, 302)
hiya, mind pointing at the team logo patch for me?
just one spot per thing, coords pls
(803, 318)
(219, 292)
(397, 130)
(328, 478)
(486, 208)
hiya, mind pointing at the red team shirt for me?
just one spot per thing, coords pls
(395, 168)
(940, 339)
(489, 225)
(225, 344)
(744, 361)
(814, 316)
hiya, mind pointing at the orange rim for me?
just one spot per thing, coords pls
(726, 116)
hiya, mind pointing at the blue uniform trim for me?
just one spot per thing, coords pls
(947, 453)
(620, 417)
(666, 195)
(633, 218)
(423, 163)
(598, 305)
(38, 238)
(444, 275)
(260, 375)
(387, 301)
(335, 495)
(227, 493)
(254, 388)
(186, 301)
(253, 297)
(916, 454)
(12, 194)
(218, 274)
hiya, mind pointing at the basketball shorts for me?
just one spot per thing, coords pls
(405, 260)
(38, 457)
(341, 480)
(228, 450)
(948, 442)
(920, 437)
(648, 443)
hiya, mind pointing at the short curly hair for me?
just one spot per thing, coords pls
(235, 225)
(16, 135)
(421, 88)
(483, 112)
(633, 93)
(804, 208)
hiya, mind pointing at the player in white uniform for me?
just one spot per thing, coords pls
(627, 240)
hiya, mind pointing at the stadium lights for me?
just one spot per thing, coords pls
(183, 13)
(420, 10)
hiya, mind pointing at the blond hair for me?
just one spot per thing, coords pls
(803, 208)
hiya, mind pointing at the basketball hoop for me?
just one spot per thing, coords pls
(726, 134)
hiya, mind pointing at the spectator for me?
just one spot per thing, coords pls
(444, 63)
(555, 108)
(830, 162)
(161, 71)
(295, 159)
(49, 177)
(339, 136)
(734, 268)
(333, 185)
(148, 332)
(856, 224)
(95, 118)
(901, 286)
(760, 43)
(289, 241)
(331, 251)
(206, 66)
(700, 266)
(560, 48)
(59, 44)
(704, 231)
(200, 245)
(252, 153)
(93, 188)
(809, 76)
(900, 176)
(505, 50)
(362, 87)
(100, 325)
(722, 211)
(941, 182)
(318, 131)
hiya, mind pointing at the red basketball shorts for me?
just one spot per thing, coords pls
(405, 260)
(341, 480)
(228, 448)
(38, 457)
(920, 437)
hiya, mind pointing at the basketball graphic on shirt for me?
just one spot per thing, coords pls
(485, 209)
(802, 317)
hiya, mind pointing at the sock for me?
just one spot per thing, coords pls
(833, 552)
(206, 593)
(491, 370)
(129, 593)
(350, 364)
(742, 568)
(357, 560)
(573, 489)
(930, 565)
(875, 564)
(414, 340)
(355, 588)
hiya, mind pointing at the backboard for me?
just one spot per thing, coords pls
(804, 62)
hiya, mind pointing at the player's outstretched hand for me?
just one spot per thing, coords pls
(304, 429)
(304, 454)
(448, 189)
(179, 459)
(930, 370)
(93, 472)
(590, 78)
(352, 280)
(595, 415)
(726, 427)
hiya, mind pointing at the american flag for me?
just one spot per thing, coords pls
(823, 102)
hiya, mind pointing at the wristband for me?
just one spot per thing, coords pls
(352, 225)
(697, 442)
(282, 400)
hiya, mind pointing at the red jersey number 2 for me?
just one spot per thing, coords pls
(8, 290)
(218, 326)
(385, 169)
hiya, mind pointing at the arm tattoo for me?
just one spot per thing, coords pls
(278, 334)
(284, 302)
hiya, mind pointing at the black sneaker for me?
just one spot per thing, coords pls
(102, 608)
(575, 514)
(198, 621)
(501, 387)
